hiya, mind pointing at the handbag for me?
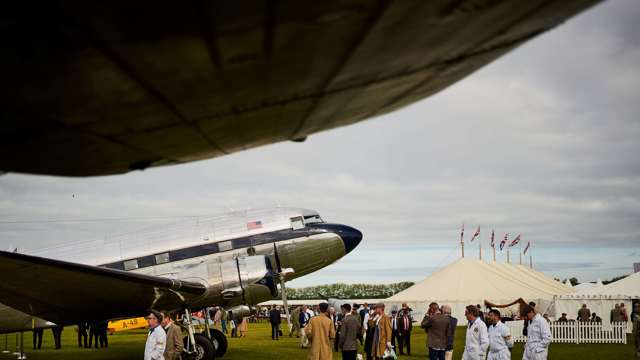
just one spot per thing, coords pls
(389, 354)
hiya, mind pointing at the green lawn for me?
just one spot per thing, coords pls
(258, 345)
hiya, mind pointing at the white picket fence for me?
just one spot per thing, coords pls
(577, 332)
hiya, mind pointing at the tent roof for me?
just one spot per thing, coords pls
(629, 286)
(471, 280)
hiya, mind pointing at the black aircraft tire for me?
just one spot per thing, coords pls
(219, 342)
(204, 348)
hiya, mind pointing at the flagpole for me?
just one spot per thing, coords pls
(494, 253)
(508, 257)
(480, 247)
(530, 262)
(462, 240)
(520, 253)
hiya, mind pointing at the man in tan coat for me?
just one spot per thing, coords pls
(320, 332)
(382, 334)
(173, 350)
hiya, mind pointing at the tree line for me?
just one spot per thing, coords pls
(347, 291)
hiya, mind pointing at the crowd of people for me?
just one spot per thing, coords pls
(324, 331)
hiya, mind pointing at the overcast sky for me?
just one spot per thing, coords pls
(543, 142)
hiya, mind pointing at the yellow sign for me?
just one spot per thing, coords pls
(126, 324)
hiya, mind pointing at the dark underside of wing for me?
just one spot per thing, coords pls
(105, 87)
(64, 292)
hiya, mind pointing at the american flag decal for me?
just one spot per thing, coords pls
(252, 225)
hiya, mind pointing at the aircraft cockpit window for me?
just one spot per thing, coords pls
(313, 219)
(162, 258)
(225, 246)
(297, 223)
(130, 265)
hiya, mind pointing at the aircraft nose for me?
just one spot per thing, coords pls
(351, 237)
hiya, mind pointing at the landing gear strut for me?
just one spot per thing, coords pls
(196, 346)
(217, 337)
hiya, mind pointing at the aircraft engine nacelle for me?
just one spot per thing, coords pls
(241, 311)
(241, 281)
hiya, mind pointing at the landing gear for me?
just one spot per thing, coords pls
(202, 349)
(196, 346)
(219, 340)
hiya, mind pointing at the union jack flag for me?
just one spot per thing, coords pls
(504, 241)
(254, 225)
(526, 247)
(476, 234)
(493, 239)
(515, 241)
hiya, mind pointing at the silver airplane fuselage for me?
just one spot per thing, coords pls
(297, 240)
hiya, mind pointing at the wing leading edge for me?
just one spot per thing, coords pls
(64, 292)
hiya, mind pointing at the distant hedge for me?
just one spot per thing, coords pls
(347, 291)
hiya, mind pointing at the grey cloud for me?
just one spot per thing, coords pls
(544, 142)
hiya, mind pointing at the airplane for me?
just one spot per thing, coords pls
(107, 87)
(233, 260)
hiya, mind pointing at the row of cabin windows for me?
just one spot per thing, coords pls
(296, 223)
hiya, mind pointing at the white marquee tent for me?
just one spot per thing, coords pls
(601, 298)
(588, 287)
(466, 281)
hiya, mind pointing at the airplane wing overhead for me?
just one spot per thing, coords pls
(64, 292)
(106, 87)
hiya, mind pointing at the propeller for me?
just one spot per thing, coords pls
(282, 273)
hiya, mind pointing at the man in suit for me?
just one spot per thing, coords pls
(405, 325)
(57, 336)
(93, 333)
(102, 333)
(295, 322)
(382, 332)
(453, 322)
(394, 328)
(320, 332)
(37, 338)
(584, 314)
(437, 327)
(274, 319)
(82, 334)
(616, 314)
(350, 329)
(174, 346)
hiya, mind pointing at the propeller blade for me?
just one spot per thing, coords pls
(275, 253)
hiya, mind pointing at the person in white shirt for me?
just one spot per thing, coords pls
(538, 336)
(500, 341)
(156, 339)
(477, 339)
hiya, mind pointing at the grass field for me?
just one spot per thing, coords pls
(258, 345)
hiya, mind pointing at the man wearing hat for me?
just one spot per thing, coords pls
(156, 339)
(538, 335)
(382, 332)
